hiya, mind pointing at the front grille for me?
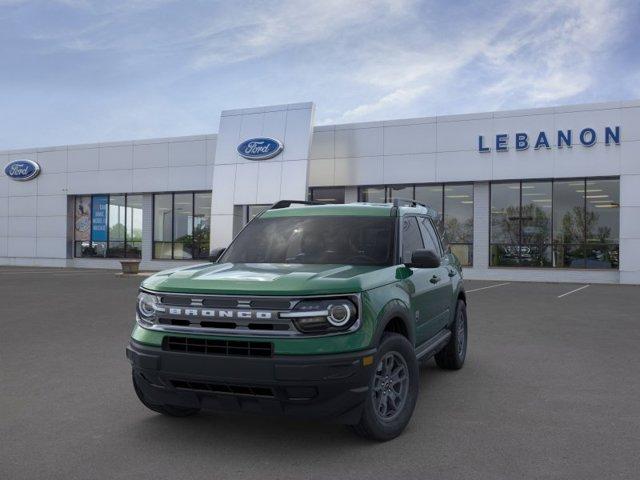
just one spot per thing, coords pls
(224, 388)
(231, 314)
(208, 346)
(227, 302)
(235, 315)
(271, 303)
(176, 300)
(215, 302)
(265, 326)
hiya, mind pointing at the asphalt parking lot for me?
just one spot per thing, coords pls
(551, 389)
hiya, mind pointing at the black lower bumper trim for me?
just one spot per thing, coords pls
(318, 386)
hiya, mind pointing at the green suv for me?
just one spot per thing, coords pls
(314, 311)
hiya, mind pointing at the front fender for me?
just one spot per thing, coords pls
(383, 305)
(394, 309)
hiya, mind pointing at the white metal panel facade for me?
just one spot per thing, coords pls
(35, 224)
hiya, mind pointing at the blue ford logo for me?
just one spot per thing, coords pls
(22, 170)
(260, 148)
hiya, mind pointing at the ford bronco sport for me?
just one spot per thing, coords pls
(315, 311)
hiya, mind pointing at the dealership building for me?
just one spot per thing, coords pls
(549, 194)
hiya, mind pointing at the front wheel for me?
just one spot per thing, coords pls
(453, 355)
(393, 390)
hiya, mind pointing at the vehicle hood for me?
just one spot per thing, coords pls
(270, 279)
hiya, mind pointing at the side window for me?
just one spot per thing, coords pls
(429, 236)
(411, 238)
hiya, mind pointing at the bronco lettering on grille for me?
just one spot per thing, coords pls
(217, 313)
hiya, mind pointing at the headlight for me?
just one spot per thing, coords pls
(340, 314)
(146, 308)
(323, 315)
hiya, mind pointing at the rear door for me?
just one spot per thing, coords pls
(441, 279)
(419, 285)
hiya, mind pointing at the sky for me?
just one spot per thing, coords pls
(80, 71)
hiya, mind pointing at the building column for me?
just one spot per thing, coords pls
(481, 217)
(238, 181)
(630, 229)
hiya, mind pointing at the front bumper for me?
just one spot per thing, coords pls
(304, 386)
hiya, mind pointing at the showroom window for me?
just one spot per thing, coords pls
(453, 202)
(562, 224)
(181, 225)
(372, 194)
(252, 211)
(327, 194)
(108, 226)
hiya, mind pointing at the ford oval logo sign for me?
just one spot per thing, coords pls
(22, 170)
(260, 148)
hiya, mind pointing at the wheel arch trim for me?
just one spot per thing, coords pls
(392, 310)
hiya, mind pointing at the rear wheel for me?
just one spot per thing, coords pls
(393, 390)
(453, 355)
(170, 410)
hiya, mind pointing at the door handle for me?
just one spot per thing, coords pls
(435, 279)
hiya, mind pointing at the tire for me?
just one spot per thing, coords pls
(380, 421)
(169, 410)
(452, 356)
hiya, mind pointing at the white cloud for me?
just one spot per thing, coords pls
(358, 59)
(551, 57)
(247, 33)
(543, 52)
(395, 99)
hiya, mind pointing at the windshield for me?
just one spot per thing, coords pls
(315, 239)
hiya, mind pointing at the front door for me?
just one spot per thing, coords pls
(443, 286)
(420, 285)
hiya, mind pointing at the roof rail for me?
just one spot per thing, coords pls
(288, 203)
(403, 202)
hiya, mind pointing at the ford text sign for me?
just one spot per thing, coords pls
(260, 148)
(22, 170)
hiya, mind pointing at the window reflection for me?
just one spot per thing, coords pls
(134, 226)
(458, 213)
(162, 226)
(505, 213)
(182, 225)
(108, 226)
(603, 211)
(372, 194)
(458, 220)
(404, 192)
(536, 224)
(432, 195)
(568, 212)
(117, 218)
(201, 224)
(453, 202)
(328, 194)
(254, 210)
(564, 224)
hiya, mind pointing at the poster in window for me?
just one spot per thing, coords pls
(99, 218)
(83, 219)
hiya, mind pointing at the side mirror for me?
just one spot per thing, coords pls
(424, 259)
(215, 254)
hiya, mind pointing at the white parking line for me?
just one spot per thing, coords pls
(573, 291)
(490, 286)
